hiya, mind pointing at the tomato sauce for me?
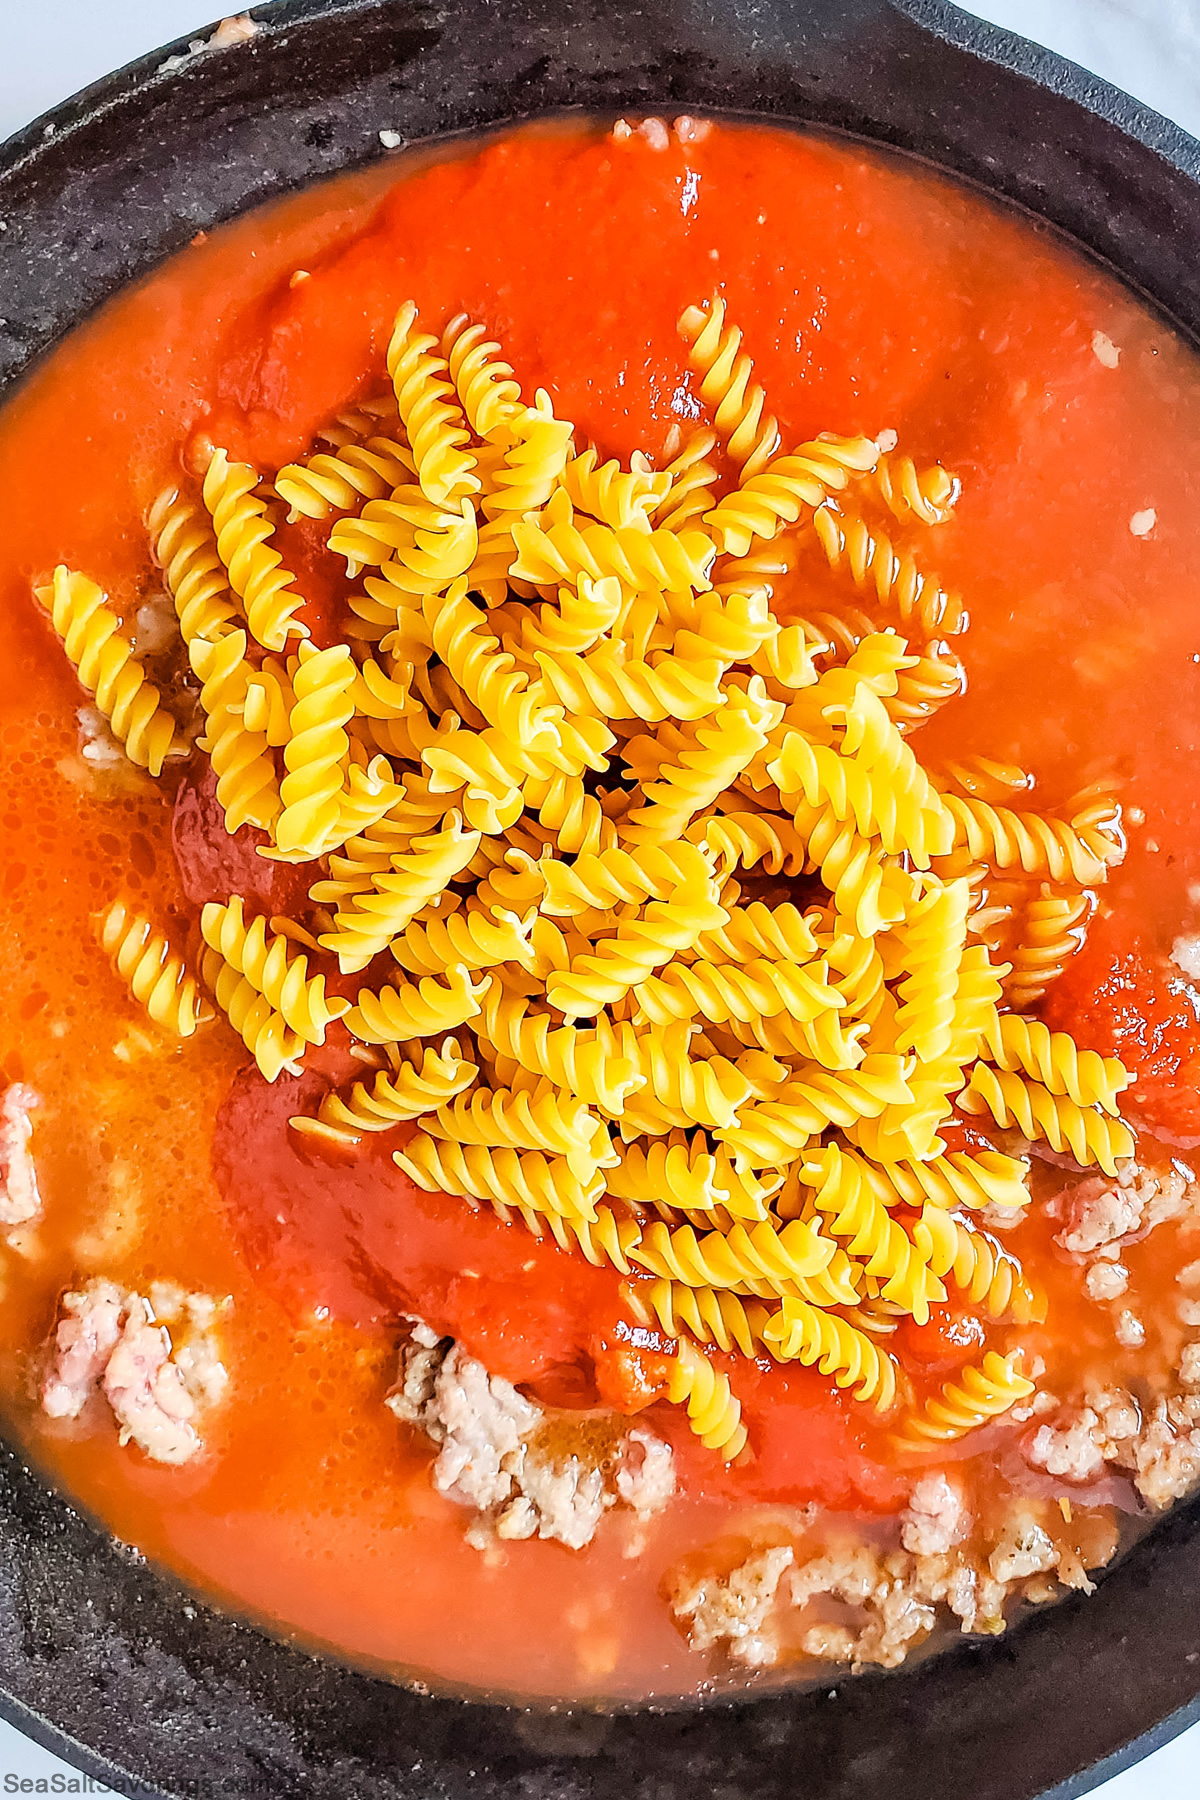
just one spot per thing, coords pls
(884, 298)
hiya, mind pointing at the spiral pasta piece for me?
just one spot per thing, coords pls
(273, 969)
(367, 797)
(256, 574)
(416, 1009)
(268, 703)
(615, 876)
(486, 767)
(400, 527)
(896, 806)
(185, 549)
(744, 840)
(973, 1398)
(934, 679)
(602, 1240)
(710, 1315)
(934, 938)
(542, 1118)
(364, 420)
(691, 492)
(653, 561)
(755, 989)
(1052, 931)
(420, 1085)
(686, 1175)
(1053, 1058)
(612, 495)
(476, 938)
(757, 930)
(693, 780)
(575, 817)
(787, 488)
(873, 741)
(489, 394)
(635, 948)
(417, 557)
(487, 674)
(855, 1214)
(241, 759)
(988, 1178)
(749, 432)
(1057, 849)
(546, 1184)
(1090, 1136)
(376, 904)
(325, 483)
(734, 627)
(872, 562)
(770, 1255)
(264, 1032)
(775, 1131)
(586, 1062)
(107, 668)
(907, 492)
(985, 1273)
(870, 891)
(430, 413)
(581, 617)
(714, 1412)
(531, 467)
(680, 1090)
(599, 685)
(310, 791)
(154, 973)
(800, 1332)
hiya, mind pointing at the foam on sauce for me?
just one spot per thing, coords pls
(874, 296)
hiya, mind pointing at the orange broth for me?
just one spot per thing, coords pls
(874, 294)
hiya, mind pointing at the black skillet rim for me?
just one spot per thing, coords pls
(143, 1676)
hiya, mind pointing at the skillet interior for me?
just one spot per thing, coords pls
(96, 1649)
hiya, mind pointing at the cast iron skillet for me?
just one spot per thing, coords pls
(109, 1663)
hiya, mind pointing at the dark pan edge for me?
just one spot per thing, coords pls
(995, 44)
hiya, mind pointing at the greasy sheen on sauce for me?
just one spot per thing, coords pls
(874, 296)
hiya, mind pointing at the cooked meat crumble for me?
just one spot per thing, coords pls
(114, 1341)
(19, 1197)
(524, 1470)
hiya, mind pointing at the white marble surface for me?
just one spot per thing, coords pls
(1149, 47)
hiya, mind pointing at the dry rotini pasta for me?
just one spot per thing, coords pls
(978, 1266)
(787, 487)
(801, 1332)
(750, 434)
(712, 1406)
(429, 412)
(1050, 932)
(1089, 1135)
(327, 483)
(273, 968)
(256, 573)
(908, 493)
(726, 964)
(109, 670)
(710, 1315)
(156, 975)
(412, 1087)
(874, 565)
(185, 549)
(973, 1398)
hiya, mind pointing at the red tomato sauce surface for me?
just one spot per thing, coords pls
(874, 295)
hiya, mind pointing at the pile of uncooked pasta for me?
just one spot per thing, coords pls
(668, 942)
